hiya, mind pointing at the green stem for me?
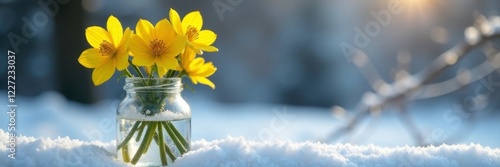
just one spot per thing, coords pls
(127, 73)
(181, 74)
(179, 135)
(139, 134)
(129, 135)
(125, 154)
(136, 69)
(169, 73)
(170, 153)
(144, 143)
(161, 144)
(155, 67)
(176, 141)
(153, 70)
(167, 148)
(173, 74)
(153, 124)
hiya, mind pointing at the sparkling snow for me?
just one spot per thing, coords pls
(239, 151)
(55, 132)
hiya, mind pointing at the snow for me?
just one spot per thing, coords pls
(242, 152)
(51, 115)
(53, 131)
(133, 113)
(31, 151)
(238, 151)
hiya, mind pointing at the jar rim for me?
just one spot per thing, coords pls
(131, 79)
(169, 85)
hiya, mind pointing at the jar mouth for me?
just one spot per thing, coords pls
(169, 85)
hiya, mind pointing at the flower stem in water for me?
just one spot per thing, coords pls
(129, 135)
(145, 142)
(183, 140)
(161, 144)
(139, 134)
(175, 139)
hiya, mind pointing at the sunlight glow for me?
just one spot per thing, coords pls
(419, 10)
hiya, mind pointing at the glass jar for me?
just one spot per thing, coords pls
(153, 122)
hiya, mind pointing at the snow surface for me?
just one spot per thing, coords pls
(51, 115)
(58, 132)
(31, 151)
(239, 151)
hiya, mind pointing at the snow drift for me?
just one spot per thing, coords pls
(233, 151)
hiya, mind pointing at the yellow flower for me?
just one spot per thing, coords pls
(198, 40)
(161, 70)
(158, 45)
(110, 50)
(197, 69)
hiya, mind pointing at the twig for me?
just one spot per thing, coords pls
(407, 87)
(412, 127)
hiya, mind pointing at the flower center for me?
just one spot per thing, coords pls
(106, 48)
(157, 47)
(191, 33)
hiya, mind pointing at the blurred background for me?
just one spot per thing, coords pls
(272, 52)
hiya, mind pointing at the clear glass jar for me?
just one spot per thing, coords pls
(152, 115)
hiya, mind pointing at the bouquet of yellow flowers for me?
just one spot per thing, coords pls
(169, 49)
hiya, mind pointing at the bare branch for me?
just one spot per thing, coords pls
(453, 84)
(368, 70)
(408, 121)
(407, 88)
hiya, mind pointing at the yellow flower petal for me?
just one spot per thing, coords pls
(196, 63)
(207, 70)
(124, 43)
(121, 60)
(144, 29)
(179, 68)
(143, 60)
(164, 31)
(176, 47)
(204, 47)
(167, 62)
(193, 79)
(148, 69)
(176, 21)
(91, 58)
(139, 47)
(102, 73)
(196, 50)
(161, 71)
(96, 35)
(205, 81)
(187, 57)
(194, 19)
(115, 29)
(206, 37)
